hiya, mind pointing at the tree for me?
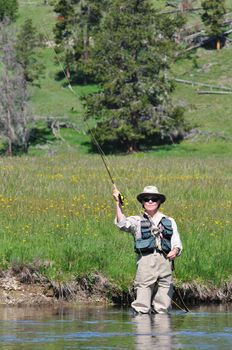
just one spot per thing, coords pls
(13, 93)
(28, 43)
(8, 8)
(132, 52)
(77, 22)
(213, 18)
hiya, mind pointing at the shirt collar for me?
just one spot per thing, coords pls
(156, 218)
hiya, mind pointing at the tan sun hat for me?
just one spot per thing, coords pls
(151, 190)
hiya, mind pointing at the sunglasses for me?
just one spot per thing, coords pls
(152, 199)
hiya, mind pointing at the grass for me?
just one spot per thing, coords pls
(206, 111)
(189, 150)
(59, 209)
(41, 15)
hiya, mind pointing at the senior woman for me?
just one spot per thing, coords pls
(157, 243)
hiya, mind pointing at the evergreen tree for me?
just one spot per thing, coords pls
(77, 22)
(8, 9)
(28, 43)
(213, 17)
(64, 10)
(131, 54)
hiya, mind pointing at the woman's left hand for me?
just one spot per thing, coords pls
(172, 254)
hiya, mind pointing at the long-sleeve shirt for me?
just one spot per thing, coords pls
(132, 224)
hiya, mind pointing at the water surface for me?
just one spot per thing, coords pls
(97, 327)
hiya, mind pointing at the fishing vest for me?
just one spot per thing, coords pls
(147, 242)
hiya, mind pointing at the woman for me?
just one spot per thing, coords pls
(157, 243)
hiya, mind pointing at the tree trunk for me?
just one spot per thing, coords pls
(9, 148)
(68, 75)
(86, 36)
(218, 44)
(130, 150)
(9, 134)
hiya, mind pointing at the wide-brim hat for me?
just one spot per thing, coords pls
(151, 191)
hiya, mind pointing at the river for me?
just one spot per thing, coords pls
(98, 327)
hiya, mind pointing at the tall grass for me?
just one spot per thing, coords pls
(59, 210)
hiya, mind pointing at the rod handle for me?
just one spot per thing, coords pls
(121, 199)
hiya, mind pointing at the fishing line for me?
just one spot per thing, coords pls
(179, 307)
(186, 309)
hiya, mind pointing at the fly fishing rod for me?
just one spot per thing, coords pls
(103, 157)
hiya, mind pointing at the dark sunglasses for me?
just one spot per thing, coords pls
(152, 199)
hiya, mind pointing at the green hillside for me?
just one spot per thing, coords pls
(210, 114)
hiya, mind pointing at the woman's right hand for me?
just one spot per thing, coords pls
(116, 194)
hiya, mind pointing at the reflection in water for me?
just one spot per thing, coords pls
(99, 327)
(153, 332)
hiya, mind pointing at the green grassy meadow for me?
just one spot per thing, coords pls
(60, 210)
(56, 206)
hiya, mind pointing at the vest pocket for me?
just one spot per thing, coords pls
(167, 235)
(144, 245)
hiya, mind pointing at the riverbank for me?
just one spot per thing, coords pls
(25, 287)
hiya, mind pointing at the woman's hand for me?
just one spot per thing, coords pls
(173, 253)
(116, 194)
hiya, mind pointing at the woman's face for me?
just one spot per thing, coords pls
(151, 203)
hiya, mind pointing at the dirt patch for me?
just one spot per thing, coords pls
(25, 286)
(15, 292)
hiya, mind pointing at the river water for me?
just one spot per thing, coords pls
(98, 327)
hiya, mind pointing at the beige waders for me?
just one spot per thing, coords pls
(153, 284)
